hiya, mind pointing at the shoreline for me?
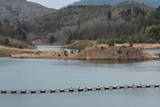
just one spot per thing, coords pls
(143, 45)
(61, 54)
(82, 44)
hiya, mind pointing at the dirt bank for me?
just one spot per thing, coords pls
(144, 45)
(28, 53)
(82, 44)
(115, 53)
(96, 52)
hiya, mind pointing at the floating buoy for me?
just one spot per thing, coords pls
(71, 90)
(62, 91)
(3, 91)
(33, 92)
(148, 86)
(106, 88)
(23, 92)
(42, 91)
(80, 90)
(114, 87)
(139, 86)
(98, 89)
(156, 86)
(90, 89)
(14, 92)
(121, 87)
(52, 91)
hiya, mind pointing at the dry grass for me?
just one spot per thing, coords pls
(14, 43)
(59, 54)
(144, 45)
(80, 44)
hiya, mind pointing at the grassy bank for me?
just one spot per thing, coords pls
(80, 44)
(6, 51)
(6, 41)
(95, 52)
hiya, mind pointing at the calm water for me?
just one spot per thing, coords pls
(47, 47)
(39, 74)
(155, 51)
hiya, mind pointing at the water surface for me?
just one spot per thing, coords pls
(155, 51)
(48, 47)
(44, 73)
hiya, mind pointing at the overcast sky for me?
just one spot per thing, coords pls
(54, 3)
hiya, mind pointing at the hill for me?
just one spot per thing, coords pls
(131, 4)
(74, 22)
(95, 2)
(152, 3)
(90, 22)
(7, 41)
(21, 10)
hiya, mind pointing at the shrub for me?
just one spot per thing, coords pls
(111, 43)
(131, 44)
(7, 42)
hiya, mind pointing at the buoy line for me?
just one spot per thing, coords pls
(73, 90)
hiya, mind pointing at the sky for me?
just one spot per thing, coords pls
(54, 3)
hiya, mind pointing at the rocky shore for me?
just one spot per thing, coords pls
(116, 53)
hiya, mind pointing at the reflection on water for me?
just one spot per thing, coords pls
(44, 73)
(113, 61)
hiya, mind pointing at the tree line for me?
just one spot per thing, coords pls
(120, 25)
(88, 23)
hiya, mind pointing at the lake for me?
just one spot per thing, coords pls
(46, 74)
(56, 47)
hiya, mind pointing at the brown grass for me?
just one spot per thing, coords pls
(60, 54)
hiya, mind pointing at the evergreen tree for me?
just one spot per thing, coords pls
(109, 15)
(52, 39)
(7, 42)
(157, 13)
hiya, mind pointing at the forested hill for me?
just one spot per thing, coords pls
(91, 22)
(75, 22)
(152, 3)
(21, 10)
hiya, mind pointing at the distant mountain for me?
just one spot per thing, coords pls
(131, 4)
(152, 3)
(21, 9)
(92, 16)
(96, 2)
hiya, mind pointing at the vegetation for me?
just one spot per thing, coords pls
(51, 39)
(14, 30)
(149, 34)
(152, 3)
(21, 10)
(81, 44)
(124, 28)
(130, 22)
(6, 41)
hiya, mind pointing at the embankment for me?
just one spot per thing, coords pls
(116, 53)
(96, 52)
(82, 44)
(33, 53)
